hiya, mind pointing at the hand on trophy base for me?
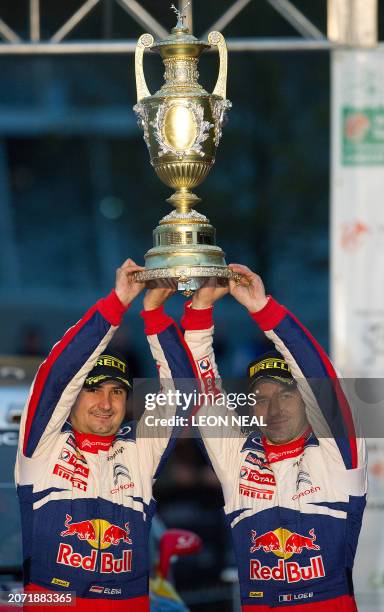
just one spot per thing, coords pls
(187, 280)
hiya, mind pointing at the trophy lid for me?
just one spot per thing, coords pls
(180, 42)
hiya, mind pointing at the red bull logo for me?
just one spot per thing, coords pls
(99, 534)
(84, 530)
(289, 571)
(284, 543)
(267, 541)
(108, 563)
(296, 542)
(113, 534)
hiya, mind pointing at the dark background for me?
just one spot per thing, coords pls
(82, 195)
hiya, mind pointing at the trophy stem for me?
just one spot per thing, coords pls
(183, 200)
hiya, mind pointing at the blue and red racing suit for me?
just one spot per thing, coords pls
(86, 500)
(294, 510)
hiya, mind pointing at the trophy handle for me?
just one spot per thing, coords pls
(217, 39)
(145, 42)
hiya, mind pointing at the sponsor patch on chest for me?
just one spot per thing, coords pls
(100, 535)
(72, 466)
(247, 473)
(284, 544)
(255, 471)
(287, 571)
(258, 460)
(106, 561)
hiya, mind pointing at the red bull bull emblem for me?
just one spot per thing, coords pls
(99, 534)
(284, 543)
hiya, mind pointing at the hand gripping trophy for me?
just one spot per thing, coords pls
(182, 126)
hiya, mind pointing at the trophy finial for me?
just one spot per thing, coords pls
(181, 16)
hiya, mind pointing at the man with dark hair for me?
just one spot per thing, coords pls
(84, 475)
(294, 497)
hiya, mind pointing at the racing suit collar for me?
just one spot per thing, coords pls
(93, 443)
(279, 452)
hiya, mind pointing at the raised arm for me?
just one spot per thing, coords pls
(224, 442)
(327, 407)
(197, 322)
(176, 371)
(62, 374)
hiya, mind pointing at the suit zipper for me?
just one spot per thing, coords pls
(98, 516)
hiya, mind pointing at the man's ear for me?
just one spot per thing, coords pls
(129, 416)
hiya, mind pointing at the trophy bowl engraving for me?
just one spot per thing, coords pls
(179, 128)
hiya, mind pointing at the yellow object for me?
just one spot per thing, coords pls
(161, 587)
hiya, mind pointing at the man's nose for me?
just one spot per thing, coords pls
(274, 407)
(105, 401)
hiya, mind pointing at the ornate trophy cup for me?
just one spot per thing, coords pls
(182, 126)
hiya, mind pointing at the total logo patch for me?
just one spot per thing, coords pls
(247, 473)
(77, 476)
(295, 596)
(204, 364)
(207, 376)
(67, 456)
(74, 470)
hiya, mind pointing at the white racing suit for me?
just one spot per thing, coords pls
(294, 510)
(86, 500)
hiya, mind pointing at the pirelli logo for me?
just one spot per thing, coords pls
(112, 362)
(271, 363)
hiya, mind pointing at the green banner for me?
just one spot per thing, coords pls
(363, 136)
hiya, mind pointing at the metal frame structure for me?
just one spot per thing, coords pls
(351, 23)
(310, 39)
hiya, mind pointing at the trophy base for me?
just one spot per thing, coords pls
(185, 255)
(186, 279)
